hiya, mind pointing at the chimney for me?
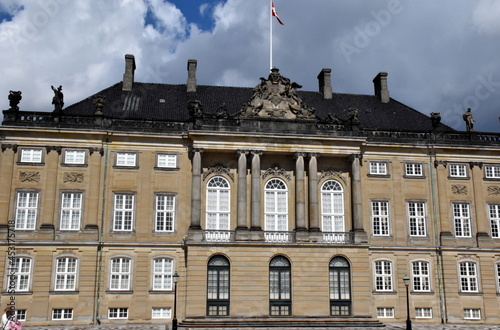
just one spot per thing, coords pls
(191, 82)
(325, 83)
(380, 84)
(128, 76)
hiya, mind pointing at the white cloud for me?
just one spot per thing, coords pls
(486, 16)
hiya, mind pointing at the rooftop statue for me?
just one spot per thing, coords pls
(58, 99)
(14, 99)
(469, 120)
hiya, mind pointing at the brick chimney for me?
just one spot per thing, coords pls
(380, 85)
(191, 82)
(128, 76)
(325, 83)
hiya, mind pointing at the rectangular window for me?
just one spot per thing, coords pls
(26, 210)
(421, 276)
(458, 170)
(62, 314)
(468, 276)
(118, 313)
(65, 274)
(74, 157)
(166, 161)
(492, 171)
(71, 211)
(461, 219)
(494, 213)
(423, 313)
(161, 313)
(380, 218)
(21, 314)
(497, 267)
(127, 159)
(385, 312)
(472, 313)
(31, 155)
(123, 212)
(162, 275)
(120, 274)
(164, 213)
(22, 274)
(383, 275)
(378, 168)
(414, 169)
(416, 217)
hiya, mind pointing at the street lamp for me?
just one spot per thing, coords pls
(406, 280)
(175, 277)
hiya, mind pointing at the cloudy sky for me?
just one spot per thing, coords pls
(441, 56)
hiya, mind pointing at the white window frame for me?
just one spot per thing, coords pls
(165, 205)
(21, 314)
(62, 314)
(472, 313)
(468, 276)
(66, 273)
(378, 168)
(461, 214)
(492, 171)
(417, 218)
(276, 205)
(421, 276)
(123, 212)
(380, 214)
(497, 275)
(26, 210)
(22, 270)
(332, 207)
(161, 313)
(31, 155)
(218, 204)
(385, 312)
(383, 273)
(126, 159)
(71, 211)
(120, 273)
(166, 160)
(457, 170)
(414, 169)
(163, 270)
(423, 313)
(494, 216)
(74, 157)
(118, 313)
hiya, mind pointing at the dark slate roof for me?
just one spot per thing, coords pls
(148, 101)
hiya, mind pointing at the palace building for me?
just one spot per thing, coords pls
(274, 206)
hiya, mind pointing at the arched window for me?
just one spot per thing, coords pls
(218, 286)
(218, 204)
(332, 207)
(340, 287)
(280, 288)
(276, 205)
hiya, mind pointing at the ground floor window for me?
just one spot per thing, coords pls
(280, 302)
(118, 313)
(423, 313)
(472, 313)
(218, 286)
(62, 314)
(385, 312)
(340, 287)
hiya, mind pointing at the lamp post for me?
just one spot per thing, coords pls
(406, 280)
(175, 278)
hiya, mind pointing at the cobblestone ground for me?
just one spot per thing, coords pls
(398, 326)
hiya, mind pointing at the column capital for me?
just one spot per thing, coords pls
(313, 155)
(299, 154)
(256, 152)
(353, 157)
(9, 146)
(242, 152)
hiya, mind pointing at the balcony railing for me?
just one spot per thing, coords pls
(279, 236)
(338, 238)
(218, 235)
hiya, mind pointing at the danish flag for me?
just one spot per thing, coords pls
(275, 13)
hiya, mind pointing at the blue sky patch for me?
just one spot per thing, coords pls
(202, 18)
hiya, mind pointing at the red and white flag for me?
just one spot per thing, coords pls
(275, 13)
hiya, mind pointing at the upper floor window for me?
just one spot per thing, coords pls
(383, 275)
(74, 157)
(414, 169)
(468, 276)
(380, 218)
(218, 204)
(66, 269)
(166, 160)
(472, 313)
(332, 207)
(457, 170)
(21, 271)
(123, 216)
(492, 171)
(494, 214)
(164, 213)
(29, 155)
(26, 210)
(461, 219)
(162, 273)
(421, 276)
(120, 274)
(71, 211)
(126, 159)
(276, 205)
(378, 168)
(416, 218)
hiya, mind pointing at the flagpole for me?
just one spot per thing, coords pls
(270, 35)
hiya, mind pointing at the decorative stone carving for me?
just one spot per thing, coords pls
(333, 175)
(99, 102)
(458, 189)
(29, 176)
(73, 177)
(53, 148)
(276, 171)
(218, 169)
(67, 251)
(435, 119)
(9, 146)
(276, 97)
(195, 108)
(14, 99)
(494, 190)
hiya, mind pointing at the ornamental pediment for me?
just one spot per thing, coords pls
(276, 97)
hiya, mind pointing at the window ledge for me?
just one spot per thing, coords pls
(119, 291)
(64, 292)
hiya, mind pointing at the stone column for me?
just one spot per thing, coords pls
(242, 191)
(256, 190)
(300, 194)
(196, 191)
(313, 194)
(357, 207)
